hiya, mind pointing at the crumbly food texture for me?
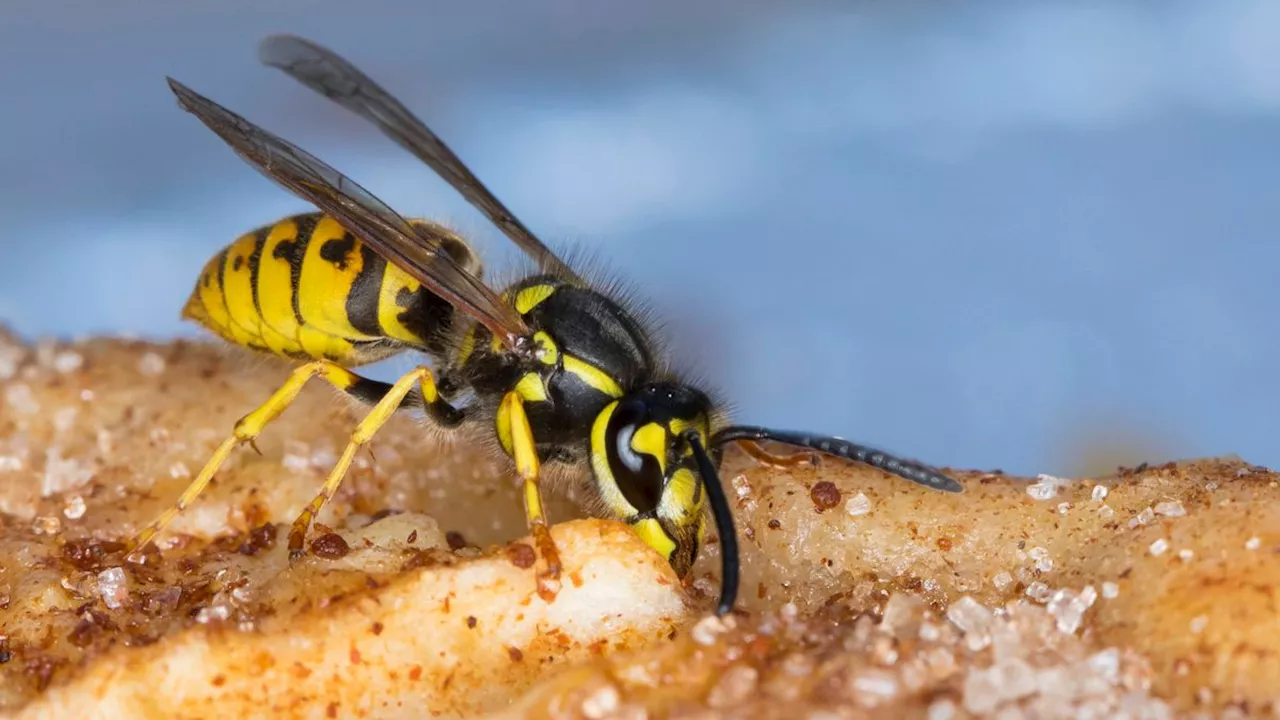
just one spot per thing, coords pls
(1152, 592)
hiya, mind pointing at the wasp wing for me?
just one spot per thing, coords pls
(331, 75)
(411, 248)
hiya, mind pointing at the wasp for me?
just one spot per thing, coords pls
(555, 373)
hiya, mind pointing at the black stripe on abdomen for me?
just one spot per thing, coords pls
(362, 301)
(296, 252)
(255, 262)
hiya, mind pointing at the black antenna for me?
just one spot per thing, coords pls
(912, 470)
(724, 525)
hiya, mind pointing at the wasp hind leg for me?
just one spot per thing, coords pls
(526, 457)
(250, 426)
(389, 399)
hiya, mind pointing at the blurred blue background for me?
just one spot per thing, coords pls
(1015, 235)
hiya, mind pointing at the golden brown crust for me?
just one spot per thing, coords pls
(1156, 587)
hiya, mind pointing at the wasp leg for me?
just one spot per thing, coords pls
(391, 400)
(765, 457)
(526, 457)
(246, 430)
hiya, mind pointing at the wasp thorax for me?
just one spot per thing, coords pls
(644, 468)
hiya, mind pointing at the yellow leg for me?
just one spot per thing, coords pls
(526, 458)
(364, 432)
(248, 428)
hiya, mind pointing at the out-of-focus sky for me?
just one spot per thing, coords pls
(983, 234)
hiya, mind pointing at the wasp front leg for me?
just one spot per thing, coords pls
(525, 454)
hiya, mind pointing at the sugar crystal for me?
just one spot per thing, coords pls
(1159, 546)
(75, 507)
(1198, 624)
(113, 587)
(1170, 508)
(1038, 591)
(1099, 492)
(881, 685)
(151, 364)
(1013, 679)
(1002, 580)
(1110, 590)
(942, 709)
(859, 504)
(1043, 562)
(67, 362)
(974, 619)
(1253, 543)
(20, 398)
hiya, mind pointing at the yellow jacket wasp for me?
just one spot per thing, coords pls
(559, 371)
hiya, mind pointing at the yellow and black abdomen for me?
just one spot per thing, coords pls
(305, 288)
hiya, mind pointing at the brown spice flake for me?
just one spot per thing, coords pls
(413, 537)
(825, 495)
(376, 628)
(944, 544)
(522, 555)
(219, 680)
(774, 524)
(455, 539)
(415, 673)
(262, 537)
(355, 656)
(471, 621)
(330, 546)
(514, 654)
(331, 710)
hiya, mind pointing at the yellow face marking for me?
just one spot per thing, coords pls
(549, 354)
(678, 503)
(529, 298)
(651, 439)
(655, 537)
(592, 375)
(679, 426)
(531, 388)
(606, 485)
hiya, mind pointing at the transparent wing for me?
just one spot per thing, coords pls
(330, 75)
(411, 248)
